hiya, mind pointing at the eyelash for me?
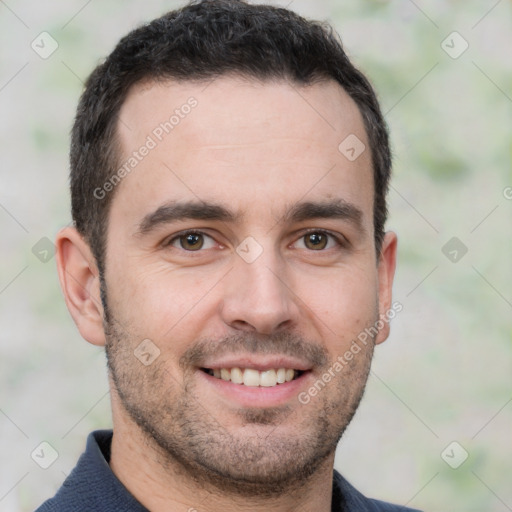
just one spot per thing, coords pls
(168, 242)
(341, 242)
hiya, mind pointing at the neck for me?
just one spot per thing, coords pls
(161, 484)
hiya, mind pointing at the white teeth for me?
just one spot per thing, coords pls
(268, 378)
(251, 377)
(237, 376)
(255, 378)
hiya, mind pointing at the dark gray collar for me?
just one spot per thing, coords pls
(93, 486)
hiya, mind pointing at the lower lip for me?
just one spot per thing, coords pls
(257, 396)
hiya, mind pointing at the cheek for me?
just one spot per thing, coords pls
(162, 303)
(344, 304)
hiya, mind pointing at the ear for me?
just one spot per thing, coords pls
(386, 272)
(79, 280)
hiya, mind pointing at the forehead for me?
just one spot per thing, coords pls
(243, 142)
(236, 107)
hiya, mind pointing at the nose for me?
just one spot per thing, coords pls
(258, 296)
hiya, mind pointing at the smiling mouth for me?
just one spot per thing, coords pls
(254, 378)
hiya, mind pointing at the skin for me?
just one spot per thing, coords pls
(256, 149)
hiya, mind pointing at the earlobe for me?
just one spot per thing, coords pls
(79, 280)
(386, 273)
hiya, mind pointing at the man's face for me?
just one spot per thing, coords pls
(242, 240)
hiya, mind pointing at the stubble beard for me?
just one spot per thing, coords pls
(258, 458)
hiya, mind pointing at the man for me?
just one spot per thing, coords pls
(229, 169)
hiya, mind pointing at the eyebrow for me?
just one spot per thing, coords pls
(183, 210)
(335, 209)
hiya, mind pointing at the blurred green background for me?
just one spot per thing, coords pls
(445, 374)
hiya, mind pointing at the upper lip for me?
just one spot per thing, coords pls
(261, 363)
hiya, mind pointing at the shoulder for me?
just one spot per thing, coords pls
(92, 485)
(75, 492)
(353, 501)
(381, 506)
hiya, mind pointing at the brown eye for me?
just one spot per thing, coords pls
(316, 241)
(191, 241)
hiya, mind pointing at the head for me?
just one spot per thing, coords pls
(221, 223)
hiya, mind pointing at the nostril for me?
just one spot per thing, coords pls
(242, 325)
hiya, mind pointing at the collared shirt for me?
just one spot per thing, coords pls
(92, 486)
